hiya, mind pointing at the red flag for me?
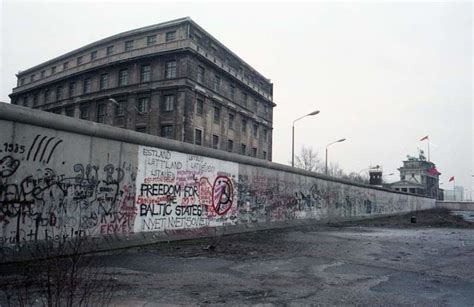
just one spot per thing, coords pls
(425, 138)
(433, 171)
(451, 179)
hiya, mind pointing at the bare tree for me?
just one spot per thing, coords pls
(309, 160)
(362, 178)
(334, 170)
(58, 275)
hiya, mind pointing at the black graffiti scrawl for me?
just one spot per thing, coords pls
(8, 166)
(42, 148)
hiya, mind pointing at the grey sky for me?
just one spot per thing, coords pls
(383, 75)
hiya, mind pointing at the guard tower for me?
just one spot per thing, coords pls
(375, 175)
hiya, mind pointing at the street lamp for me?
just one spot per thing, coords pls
(338, 141)
(293, 136)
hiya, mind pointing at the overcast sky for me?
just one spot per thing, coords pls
(383, 75)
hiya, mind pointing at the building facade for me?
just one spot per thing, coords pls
(419, 176)
(172, 80)
(456, 194)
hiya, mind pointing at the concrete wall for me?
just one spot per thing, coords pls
(64, 178)
(456, 205)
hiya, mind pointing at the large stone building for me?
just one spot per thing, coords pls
(419, 176)
(171, 79)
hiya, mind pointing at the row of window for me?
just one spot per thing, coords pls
(231, 118)
(230, 144)
(142, 106)
(168, 105)
(109, 50)
(216, 86)
(165, 131)
(123, 80)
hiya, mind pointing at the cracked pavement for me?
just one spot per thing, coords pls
(317, 265)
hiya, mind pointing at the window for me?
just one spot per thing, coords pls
(255, 105)
(244, 98)
(53, 70)
(265, 135)
(243, 149)
(84, 112)
(151, 40)
(232, 91)
(255, 130)
(87, 85)
(46, 95)
(43, 73)
(128, 45)
(167, 131)
(25, 101)
(168, 103)
(231, 121)
(104, 81)
(35, 99)
(72, 89)
(141, 129)
(22, 81)
(230, 146)
(215, 141)
(201, 72)
(265, 155)
(120, 108)
(110, 50)
(217, 115)
(145, 73)
(199, 106)
(244, 126)
(70, 112)
(254, 152)
(59, 93)
(93, 55)
(32, 78)
(142, 105)
(123, 77)
(79, 60)
(170, 36)
(101, 109)
(170, 71)
(198, 137)
(217, 82)
(65, 65)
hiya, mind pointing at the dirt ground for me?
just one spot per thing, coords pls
(389, 261)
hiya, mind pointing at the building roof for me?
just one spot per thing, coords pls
(405, 183)
(134, 32)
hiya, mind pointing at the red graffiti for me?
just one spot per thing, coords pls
(205, 191)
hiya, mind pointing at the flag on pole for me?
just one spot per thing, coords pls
(425, 138)
(433, 171)
(451, 179)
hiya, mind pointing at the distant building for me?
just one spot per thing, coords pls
(375, 176)
(456, 194)
(172, 79)
(418, 176)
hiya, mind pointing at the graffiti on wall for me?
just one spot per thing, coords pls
(267, 196)
(53, 189)
(183, 191)
(42, 200)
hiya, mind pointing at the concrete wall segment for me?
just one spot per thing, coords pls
(63, 178)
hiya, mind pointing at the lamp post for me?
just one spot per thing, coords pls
(338, 141)
(293, 136)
